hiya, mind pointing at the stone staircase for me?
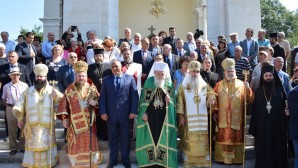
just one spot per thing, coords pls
(5, 158)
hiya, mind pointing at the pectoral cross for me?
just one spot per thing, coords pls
(53, 83)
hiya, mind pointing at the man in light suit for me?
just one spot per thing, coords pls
(27, 53)
(118, 104)
(250, 47)
(144, 57)
(284, 77)
(66, 74)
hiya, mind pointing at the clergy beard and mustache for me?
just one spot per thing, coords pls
(194, 82)
(39, 84)
(269, 87)
(159, 83)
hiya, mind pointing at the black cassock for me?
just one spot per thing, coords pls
(269, 130)
(156, 116)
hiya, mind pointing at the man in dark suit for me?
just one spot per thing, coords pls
(118, 104)
(179, 48)
(171, 39)
(66, 73)
(293, 129)
(209, 77)
(278, 50)
(27, 53)
(154, 48)
(144, 57)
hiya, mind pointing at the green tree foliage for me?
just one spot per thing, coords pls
(36, 31)
(275, 18)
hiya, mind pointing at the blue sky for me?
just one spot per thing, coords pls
(17, 13)
(26, 13)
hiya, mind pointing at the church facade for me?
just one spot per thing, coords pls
(110, 17)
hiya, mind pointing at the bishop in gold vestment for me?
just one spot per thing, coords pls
(74, 110)
(192, 100)
(230, 115)
(37, 106)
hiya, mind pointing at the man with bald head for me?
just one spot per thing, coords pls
(127, 38)
(48, 45)
(169, 58)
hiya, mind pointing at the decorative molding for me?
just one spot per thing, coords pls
(157, 8)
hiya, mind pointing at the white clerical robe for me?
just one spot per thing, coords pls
(38, 109)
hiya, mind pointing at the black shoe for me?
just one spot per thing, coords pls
(13, 152)
(111, 165)
(127, 165)
(23, 151)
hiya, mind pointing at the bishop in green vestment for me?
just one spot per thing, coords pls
(156, 142)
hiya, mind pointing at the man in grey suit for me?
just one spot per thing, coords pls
(118, 104)
(27, 53)
(250, 47)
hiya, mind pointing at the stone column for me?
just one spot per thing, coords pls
(201, 17)
(52, 18)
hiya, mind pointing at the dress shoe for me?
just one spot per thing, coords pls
(111, 165)
(127, 165)
(13, 152)
(23, 151)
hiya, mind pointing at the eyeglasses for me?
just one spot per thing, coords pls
(296, 70)
(72, 57)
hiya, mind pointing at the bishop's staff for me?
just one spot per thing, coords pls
(210, 128)
(245, 73)
(90, 97)
(53, 83)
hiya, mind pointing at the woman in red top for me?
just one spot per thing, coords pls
(77, 49)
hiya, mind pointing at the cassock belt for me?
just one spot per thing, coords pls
(10, 105)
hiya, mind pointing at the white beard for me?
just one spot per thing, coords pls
(159, 83)
(194, 82)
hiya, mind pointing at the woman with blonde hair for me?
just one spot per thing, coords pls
(55, 62)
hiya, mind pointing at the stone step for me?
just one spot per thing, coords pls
(103, 147)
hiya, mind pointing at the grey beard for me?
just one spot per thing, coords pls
(159, 83)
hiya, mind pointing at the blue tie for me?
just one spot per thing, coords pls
(117, 84)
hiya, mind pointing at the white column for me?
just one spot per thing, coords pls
(52, 19)
(201, 17)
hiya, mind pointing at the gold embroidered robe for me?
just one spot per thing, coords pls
(38, 108)
(74, 107)
(229, 138)
(194, 133)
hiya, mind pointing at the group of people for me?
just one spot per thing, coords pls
(154, 89)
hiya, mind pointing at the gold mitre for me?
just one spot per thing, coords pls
(194, 66)
(228, 63)
(40, 70)
(80, 66)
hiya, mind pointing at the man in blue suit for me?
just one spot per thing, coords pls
(118, 104)
(66, 73)
(293, 129)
